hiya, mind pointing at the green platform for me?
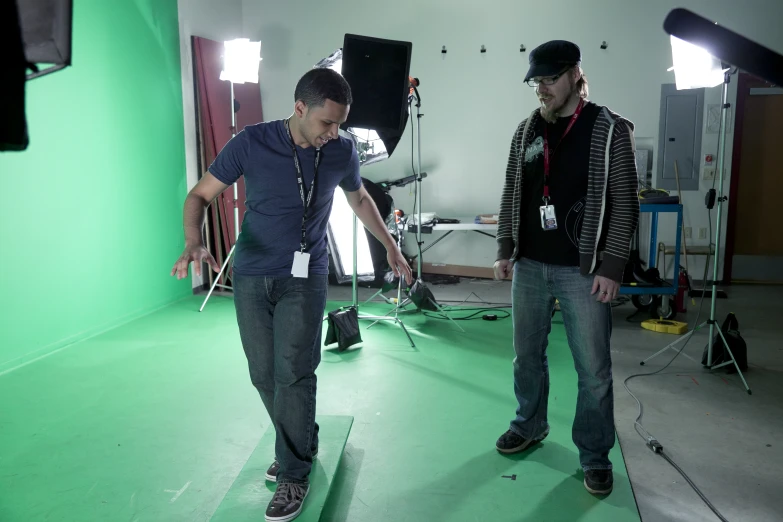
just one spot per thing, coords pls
(250, 494)
(157, 420)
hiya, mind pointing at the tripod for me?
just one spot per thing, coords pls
(419, 289)
(236, 212)
(720, 199)
(355, 290)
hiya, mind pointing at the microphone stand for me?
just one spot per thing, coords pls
(419, 290)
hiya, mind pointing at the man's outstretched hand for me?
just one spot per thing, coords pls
(196, 255)
(398, 264)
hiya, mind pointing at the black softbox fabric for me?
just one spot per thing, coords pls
(31, 32)
(13, 122)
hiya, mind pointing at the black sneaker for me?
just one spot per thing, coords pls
(599, 481)
(287, 503)
(271, 473)
(510, 442)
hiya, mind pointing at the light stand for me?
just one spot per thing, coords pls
(419, 293)
(240, 65)
(720, 200)
(355, 289)
(359, 49)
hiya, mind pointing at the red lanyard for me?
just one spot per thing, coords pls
(546, 147)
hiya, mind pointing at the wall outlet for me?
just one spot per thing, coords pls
(703, 233)
(709, 173)
(688, 233)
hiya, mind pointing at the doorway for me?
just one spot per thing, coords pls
(754, 243)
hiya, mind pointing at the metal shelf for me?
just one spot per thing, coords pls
(655, 209)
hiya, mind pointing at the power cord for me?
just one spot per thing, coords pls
(475, 315)
(651, 441)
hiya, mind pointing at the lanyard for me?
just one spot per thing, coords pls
(300, 180)
(546, 147)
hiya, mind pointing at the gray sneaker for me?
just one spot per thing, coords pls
(287, 503)
(271, 473)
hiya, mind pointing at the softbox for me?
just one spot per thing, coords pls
(343, 328)
(46, 31)
(13, 122)
(377, 71)
(32, 32)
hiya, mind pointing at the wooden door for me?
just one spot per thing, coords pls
(757, 232)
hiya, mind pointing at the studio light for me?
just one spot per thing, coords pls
(240, 61)
(700, 49)
(241, 58)
(694, 67)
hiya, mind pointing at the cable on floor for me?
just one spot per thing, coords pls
(651, 441)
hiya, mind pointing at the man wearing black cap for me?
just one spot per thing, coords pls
(568, 212)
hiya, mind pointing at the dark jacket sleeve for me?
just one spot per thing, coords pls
(505, 236)
(623, 202)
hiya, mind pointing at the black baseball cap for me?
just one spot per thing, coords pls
(552, 57)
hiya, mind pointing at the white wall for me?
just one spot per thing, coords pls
(217, 20)
(472, 102)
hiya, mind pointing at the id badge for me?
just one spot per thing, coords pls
(548, 220)
(301, 263)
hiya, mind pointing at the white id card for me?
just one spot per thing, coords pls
(548, 220)
(301, 262)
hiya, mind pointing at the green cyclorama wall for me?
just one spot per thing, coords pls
(91, 218)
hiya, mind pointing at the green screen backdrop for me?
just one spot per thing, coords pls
(91, 219)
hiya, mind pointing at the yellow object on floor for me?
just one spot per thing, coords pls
(665, 326)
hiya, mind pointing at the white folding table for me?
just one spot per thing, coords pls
(466, 224)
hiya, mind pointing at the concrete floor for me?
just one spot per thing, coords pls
(728, 442)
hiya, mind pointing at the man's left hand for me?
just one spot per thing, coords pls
(398, 264)
(606, 288)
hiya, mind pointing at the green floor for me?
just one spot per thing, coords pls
(154, 421)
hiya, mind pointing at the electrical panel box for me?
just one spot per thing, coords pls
(680, 131)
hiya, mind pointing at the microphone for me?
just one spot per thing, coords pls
(412, 84)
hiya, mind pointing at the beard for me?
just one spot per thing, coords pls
(552, 113)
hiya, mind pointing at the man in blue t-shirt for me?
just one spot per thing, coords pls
(292, 168)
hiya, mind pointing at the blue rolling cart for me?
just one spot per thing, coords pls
(665, 310)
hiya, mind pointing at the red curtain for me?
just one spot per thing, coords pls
(213, 102)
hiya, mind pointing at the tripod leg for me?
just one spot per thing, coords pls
(733, 361)
(394, 310)
(440, 309)
(672, 345)
(376, 294)
(413, 345)
(215, 283)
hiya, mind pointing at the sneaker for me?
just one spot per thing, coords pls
(510, 442)
(287, 503)
(271, 473)
(599, 481)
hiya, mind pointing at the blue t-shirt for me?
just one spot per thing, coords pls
(272, 225)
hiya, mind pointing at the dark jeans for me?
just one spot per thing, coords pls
(280, 322)
(588, 325)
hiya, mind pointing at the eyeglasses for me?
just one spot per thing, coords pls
(549, 80)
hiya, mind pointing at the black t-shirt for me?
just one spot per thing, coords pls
(567, 189)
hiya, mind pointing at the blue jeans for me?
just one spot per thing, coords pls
(588, 325)
(280, 322)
